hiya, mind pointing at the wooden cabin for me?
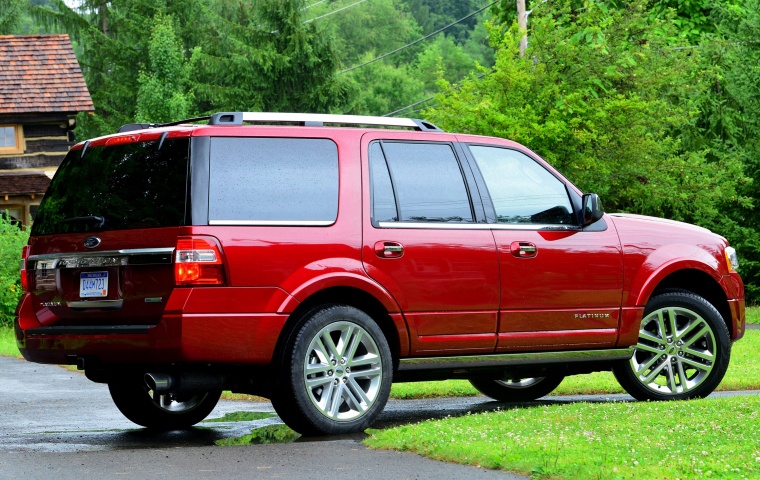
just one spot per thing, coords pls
(41, 91)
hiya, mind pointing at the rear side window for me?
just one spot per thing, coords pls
(260, 181)
(133, 185)
(417, 182)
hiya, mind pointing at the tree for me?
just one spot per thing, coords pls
(11, 12)
(604, 95)
(162, 94)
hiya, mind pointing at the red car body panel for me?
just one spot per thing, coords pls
(453, 291)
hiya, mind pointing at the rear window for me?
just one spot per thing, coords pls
(128, 186)
(273, 181)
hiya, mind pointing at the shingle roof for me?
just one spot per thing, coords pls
(23, 183)
(39, 73)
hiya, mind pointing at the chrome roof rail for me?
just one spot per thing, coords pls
(319, 119)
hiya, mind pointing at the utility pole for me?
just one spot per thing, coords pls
(522, 23)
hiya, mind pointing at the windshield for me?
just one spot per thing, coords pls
(118, 187)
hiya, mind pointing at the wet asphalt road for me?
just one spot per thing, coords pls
(56, 424)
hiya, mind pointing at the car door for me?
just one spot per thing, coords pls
(423, 242)
(561, 285)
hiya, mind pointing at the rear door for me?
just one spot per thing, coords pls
(423, 242)
(103, 240)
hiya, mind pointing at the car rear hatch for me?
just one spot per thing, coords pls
(102, 244)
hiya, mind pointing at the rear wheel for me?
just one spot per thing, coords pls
(335, 374)
(160, 411)
(683, 350)
(518, 389)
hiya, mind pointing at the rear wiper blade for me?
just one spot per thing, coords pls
(97, 221)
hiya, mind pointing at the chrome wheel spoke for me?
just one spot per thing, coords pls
(644, 335)
(646, 348)
(704, 355)
(700, 335)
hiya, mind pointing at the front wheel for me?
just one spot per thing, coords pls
(682, 353)
(335, 374)
(160, 411)
(518, 389)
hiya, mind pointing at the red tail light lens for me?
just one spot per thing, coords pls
(198, 261)
(24, 279)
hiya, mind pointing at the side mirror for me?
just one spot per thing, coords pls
(592, 210)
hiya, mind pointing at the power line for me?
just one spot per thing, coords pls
(456, 87)
(335, 11)
(313, 4)
(416, 41)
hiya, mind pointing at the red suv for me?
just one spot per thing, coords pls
(271, 254)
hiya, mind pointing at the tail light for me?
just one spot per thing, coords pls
(24, 278)
(198, 261)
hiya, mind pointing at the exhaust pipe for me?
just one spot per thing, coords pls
(184, 382)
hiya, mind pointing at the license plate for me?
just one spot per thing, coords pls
(93, 284)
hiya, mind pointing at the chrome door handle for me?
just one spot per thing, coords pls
(385, 249)
(523, 249)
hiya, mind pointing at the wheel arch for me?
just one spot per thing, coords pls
(696, 281)
(395, 330)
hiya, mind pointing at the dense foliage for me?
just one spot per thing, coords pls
(12, 240)
(607, 97)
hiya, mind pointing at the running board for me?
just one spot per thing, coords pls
(513, 359)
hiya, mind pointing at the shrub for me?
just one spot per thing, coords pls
(12, 240)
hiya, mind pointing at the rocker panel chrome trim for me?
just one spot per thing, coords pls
(509, 359)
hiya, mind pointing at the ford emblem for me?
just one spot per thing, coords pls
(91, 242)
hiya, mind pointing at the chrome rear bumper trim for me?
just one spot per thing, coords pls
(511, 359)
(85, 304)
(106, 258)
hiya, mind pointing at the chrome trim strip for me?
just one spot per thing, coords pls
(84, 304)
(327, 118)
(478, 226)
(88, 330)
(511, 359)
(106, 258)
(275, 223)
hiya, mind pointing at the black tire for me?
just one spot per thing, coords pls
(517, 390)
(349, 385)
(683, 350)
(160, 412)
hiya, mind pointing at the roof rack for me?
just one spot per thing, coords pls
(305, 119)
(319, 120)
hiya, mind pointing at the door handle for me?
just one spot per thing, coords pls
(523, 249)
(389, 249)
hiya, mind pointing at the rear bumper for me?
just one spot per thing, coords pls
(177, 338)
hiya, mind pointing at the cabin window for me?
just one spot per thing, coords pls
(11, 139)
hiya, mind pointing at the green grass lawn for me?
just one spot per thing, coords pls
(664, 440)
(753, 315)
(8, 343)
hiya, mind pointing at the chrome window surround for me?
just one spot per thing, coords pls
(478, 226)
(275, 223)
(106, 258)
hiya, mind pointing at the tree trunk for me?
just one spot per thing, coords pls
(522, 23)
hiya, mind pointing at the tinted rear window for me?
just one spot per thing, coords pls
(273, 180)
(133, 185)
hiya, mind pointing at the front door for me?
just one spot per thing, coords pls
(561, 285)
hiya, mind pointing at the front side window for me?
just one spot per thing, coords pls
(417, 182)
(273, 181)
(521, 189)
(11, 139)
